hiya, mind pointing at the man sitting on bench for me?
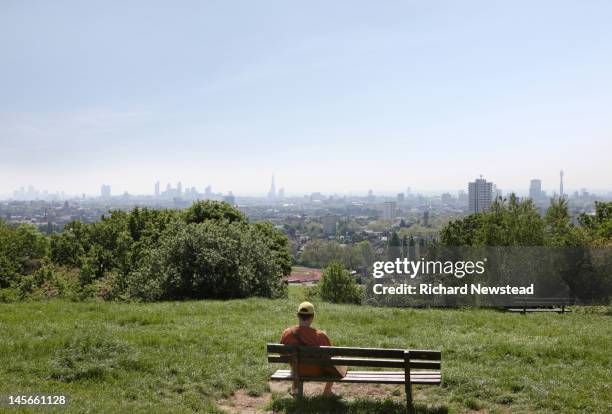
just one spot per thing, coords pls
(304, 335)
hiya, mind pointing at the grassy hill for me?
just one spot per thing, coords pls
(185, 356)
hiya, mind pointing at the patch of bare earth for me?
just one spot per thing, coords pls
(242, 403)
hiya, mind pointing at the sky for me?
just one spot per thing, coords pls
(337, 97)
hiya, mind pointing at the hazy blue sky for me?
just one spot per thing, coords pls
(332, 96)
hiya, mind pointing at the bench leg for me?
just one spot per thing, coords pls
(407, 383)
(300, 389)
(409, 403)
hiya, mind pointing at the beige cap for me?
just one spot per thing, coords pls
(306, 308)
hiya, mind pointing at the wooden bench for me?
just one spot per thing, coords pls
(529, 304)
(415, 366)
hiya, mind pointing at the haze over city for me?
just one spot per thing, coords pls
(330, 98)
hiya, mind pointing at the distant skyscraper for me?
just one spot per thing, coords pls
(535, 189)
(330, 223)
(105, 191)
(179, 189)
(208, 191)
(447, 199)
(480, 195)
(389, 210)
(157, 189)
(281, 193)
(272, 192)
(561, 194)
(426, 218)
(229, 198)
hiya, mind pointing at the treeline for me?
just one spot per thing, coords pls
(582, 252)
(511, 222)
(209, 250)
(320, 253)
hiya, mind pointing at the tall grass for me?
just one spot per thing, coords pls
(184, 356)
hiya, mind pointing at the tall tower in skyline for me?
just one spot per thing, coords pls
(157, 188)
(272, 192)
(480, 195)
(535, 189)
(561, 184)
(105, 191)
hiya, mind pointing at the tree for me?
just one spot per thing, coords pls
(394, 247)
(508, 223)
(338, 286)
(200, 211)
(278, 242)
(599, 225)
(23, 251)
(559, 230)
(209, 260)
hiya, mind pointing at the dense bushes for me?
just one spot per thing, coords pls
(208, 260)
(583, 251)
(320, 253)
(23, 251)
(206, 251)
(338, 286)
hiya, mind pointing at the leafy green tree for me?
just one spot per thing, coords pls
(394, 247)
(67, 249)
(278, 242)
(200, 211)
(508, 223)
(23, 251)
(599, 225)
(206, 260)
(338, 286)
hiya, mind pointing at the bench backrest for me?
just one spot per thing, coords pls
(531, 301)
(356, 357)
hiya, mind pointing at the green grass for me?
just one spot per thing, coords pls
(184, 356)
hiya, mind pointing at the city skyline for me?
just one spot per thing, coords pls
(412, 93)
(534, 189)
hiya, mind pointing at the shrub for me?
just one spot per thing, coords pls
(218, 260)
(338, 286)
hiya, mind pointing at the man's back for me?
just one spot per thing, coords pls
(304, 335)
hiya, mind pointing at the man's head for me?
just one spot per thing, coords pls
(306, 313)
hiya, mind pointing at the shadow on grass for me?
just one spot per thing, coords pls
(336, 405)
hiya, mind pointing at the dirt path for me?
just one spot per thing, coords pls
(242, 403)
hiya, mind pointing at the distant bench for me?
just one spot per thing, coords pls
(417, 366)
(528, 304)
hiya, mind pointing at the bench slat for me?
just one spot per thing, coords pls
(357, 362)
(366, 377)
(557, 310)
(338, 351)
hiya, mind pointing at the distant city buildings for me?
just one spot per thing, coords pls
(157, 192)
(535, 189)
(330, 224)
(272, 192)
(480, 194)
(446, 199)
(401, 197)
(561, 193)
(389, 210)
(229, 198)
(105, 191)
